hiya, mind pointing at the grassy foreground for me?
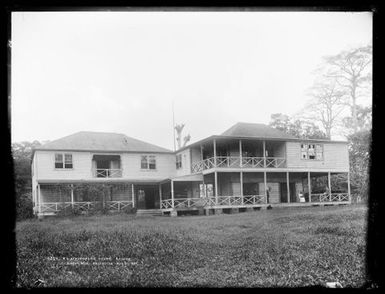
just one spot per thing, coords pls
(286, 247)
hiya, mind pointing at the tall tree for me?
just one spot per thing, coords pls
(22, 153)
(296, 127)
(352, 71)
(179, 130)
(326, 104)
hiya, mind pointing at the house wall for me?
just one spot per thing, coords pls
(195, 154)
(165, 166)
(186, 163)
(335, 157)
(82, 166)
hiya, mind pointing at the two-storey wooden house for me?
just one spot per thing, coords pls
(248, 166)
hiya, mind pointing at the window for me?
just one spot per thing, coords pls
(179, 161)
(63, 160)
(311, 151)
(67, 160)
(148, 162)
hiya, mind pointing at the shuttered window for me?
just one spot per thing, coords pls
(148, 162)
(63, 160)
(312, 151)
(179, 161)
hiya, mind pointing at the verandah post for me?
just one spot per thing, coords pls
(309, 185)
(265, 185)
(39, 197)
(330, 187)
(241, 182)
(160, 196)
(216, 187)
(240, 153)
(288, 186)
(349, 195)
(172, 193)
(215, 152)
(72, 196)
(264, 153)
(133, 195)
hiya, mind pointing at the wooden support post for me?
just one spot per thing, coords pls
(215, 152)
(241, 182)
(72, 196)
(265, 185)
(288, 186)
(216, 187)
(133, 195)
(240, 153)
(160, 196)
(39, 197)
(330, 187)
(309, 185)
(201, 152)
(264, 154)
(349, 195)
(172, 193)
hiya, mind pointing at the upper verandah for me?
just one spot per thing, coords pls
(115, 142)
(256, 131)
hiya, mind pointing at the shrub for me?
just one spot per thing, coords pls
(130, 210)
(24, 206)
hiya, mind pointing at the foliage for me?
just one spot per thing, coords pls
(281, 247)
(24, 207)
(364, 120)
(359, 156)
(351, 69)
(296, 127)
(22, 153)
(326, 105)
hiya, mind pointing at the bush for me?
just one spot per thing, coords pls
(130, 210)
(24, 206)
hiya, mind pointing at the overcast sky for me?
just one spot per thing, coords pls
(120, 71)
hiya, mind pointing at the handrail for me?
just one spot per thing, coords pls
(107, 172)
(83, 205)
(247, 200)
(237, 161)
(330, 197)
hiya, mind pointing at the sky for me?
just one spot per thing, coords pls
(122, 71)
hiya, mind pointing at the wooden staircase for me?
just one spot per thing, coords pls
(149, 212)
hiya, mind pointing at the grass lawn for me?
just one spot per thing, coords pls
(286, 247)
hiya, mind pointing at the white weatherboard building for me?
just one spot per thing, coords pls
(248, 166)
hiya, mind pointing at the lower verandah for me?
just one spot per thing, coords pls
(281, 189)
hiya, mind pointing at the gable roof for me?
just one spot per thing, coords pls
(254, 130)
(99, 141)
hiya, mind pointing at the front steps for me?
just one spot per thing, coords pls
(149, 212)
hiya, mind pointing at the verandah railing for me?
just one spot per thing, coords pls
(236, 161)
(82, 206)
(247, 200)
(330, 197)
(107, 173)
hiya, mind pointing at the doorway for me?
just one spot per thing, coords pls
(146, 197)
(283, 192)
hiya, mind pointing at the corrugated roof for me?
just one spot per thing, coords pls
(255, 130)
(88, 141)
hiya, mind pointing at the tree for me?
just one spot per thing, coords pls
(364, 119)
(296, 127)
(179, 129)
(359, 157)
(352, 71)
(22, 153)
(326, 104)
